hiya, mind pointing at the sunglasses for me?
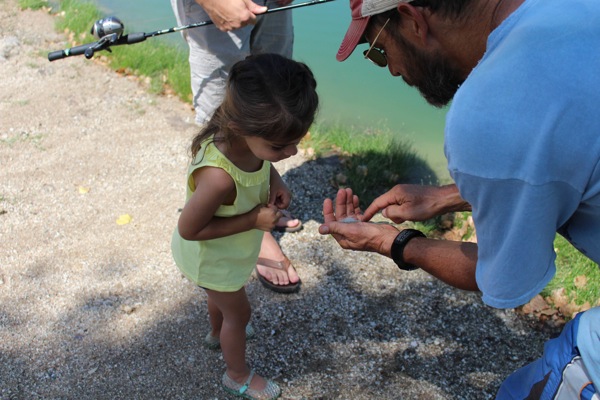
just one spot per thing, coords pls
(374, 54)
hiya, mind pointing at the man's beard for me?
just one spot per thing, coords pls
(433, 76)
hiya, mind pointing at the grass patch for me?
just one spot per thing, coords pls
(78, 17)
(33, 4)
(166, 67)
(23, 137)
(373, 160)
(577, 274)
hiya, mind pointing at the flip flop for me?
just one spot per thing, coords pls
(288, 229)
(281, 265)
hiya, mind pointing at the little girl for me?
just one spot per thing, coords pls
(234, 194)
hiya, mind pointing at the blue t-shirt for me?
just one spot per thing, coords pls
(523, 145)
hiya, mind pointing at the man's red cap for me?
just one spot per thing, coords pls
(362, 11)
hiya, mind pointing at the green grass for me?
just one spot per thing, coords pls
(78, 17)
(165, 66)
(23, 137)
(373, 160)
(571, 265)
(32, 4)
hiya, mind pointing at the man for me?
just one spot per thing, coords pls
(522, 140)
(239, 29)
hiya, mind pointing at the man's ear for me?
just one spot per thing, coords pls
(414, 25)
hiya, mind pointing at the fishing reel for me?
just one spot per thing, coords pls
(108, 31)
(110, 26)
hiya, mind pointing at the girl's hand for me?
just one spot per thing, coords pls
(280, 198)
(266, 217)
(279, 194)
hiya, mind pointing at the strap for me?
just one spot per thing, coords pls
(400, 242)
(246, 385)
(282, 265)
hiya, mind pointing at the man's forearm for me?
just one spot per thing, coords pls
(450, 200)
(449, 261)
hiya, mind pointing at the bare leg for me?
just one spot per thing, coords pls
(215, 317)
(235, 310)
(270, 249)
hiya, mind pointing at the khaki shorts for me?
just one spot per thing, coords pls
(213, 53)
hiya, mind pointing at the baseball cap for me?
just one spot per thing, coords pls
(362, 10)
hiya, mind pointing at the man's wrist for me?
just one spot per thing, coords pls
(400, 242)
(452, 200)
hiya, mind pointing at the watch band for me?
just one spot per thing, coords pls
(400, 242)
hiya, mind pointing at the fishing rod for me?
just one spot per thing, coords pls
(110, 33)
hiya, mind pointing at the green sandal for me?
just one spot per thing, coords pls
(270, 392)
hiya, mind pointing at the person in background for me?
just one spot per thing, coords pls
(522, 139)
(234, 195)
(239, 30)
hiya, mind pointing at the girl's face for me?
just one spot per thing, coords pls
(271, 151)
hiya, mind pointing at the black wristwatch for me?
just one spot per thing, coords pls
(398, 247)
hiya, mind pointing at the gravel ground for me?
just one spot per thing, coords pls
(90, 309)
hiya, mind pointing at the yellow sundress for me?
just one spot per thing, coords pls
(224, 264)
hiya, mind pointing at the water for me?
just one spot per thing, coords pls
(353, 93)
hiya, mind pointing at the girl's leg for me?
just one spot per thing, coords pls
(235, 310)
(215, 317)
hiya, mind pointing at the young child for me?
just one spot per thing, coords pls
(234, 194)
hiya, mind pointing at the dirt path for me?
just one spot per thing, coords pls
(90, 309)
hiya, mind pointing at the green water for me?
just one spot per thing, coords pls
(353, 93)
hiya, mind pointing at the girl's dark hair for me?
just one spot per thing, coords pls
(268, 96)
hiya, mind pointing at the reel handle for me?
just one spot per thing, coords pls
(103, 44)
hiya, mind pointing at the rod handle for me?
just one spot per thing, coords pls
(73, 51)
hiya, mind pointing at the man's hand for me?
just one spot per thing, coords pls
(416, 203)
(363, 236)
(228, 15)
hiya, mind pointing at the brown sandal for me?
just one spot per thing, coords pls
(281, 265)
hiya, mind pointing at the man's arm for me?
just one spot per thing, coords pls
(452, 262)
(449, 261)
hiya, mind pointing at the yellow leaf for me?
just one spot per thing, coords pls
(124, 219)
(83, 190)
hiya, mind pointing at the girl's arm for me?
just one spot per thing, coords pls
(279, 194)
(215, 187)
